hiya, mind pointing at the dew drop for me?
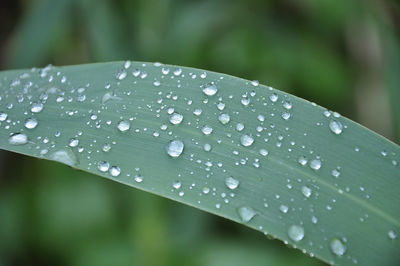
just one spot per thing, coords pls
(246, 213)
(284, 208)
(177, 185)
(239, 127)
(121, 75)
(231, 182)
(207, 147)
(392, 234)
(115, 171)
(64, 156)
(124, 126)
(175, 148)
(207, 130)
(138, 178)
(337, 247)
(73, 142)
(210, 89)
(263, 152)
(3, 117)
(103, 166)
(246, 140)
(176, 118)
(286, 116)
(315, 164)
(273, 97)
(336, 127)
(306, 191)
(296, 232)
(18, 139)
(302, 160)
(31, 123)
(106, 147)
(36, 107)
(224, 118)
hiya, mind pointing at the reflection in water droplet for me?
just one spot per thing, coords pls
(31, 123)
(246, 140)
(231, 182)
(124, 126)
(175, 148)
(18, 139)
(336, 127)
(337, 247)
(296, 232)
(246, 213)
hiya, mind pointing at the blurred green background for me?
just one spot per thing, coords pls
(341, 54)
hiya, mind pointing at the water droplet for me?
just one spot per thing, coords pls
(64, 156)
(176, 185)
(138, 178)
(302, 160)
(103, 166)
(336, 127)
(255, 83)
(18, 139)
(246, 213)
(121, 75)
(246, 140)
(73, 142)
(263, 152)
(284, 208)
(392, 234)
(315, 164)
(124, 126)
(286, 115)
(273, 97)
(239, 127)
(245, 101)
(115, 171)
(106, 147)
(231, 182)
(31, 123)
(36, 107)
(296, 232)
(3, 116)
(207, 147)
(337, 247)
(207, 130)
(287, 105)
(335, 173)
(224, 118)
(176, 118)
(210, 89)
(175, 148)
(306, 191)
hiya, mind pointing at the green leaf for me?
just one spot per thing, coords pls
(247, 152)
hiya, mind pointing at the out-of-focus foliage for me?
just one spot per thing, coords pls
(341, 54)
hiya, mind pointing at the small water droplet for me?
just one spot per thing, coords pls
(124, 126)
(302, 160)
(73, 142)
(337, 247)
(246, 213)
(231, 182)
(31, 123)
(296, 232)
(18, 139)
(121, 75)
(284, 208)
(336, 127)
(246, 140)
(306, 191)
(286, 116)
(176, 185)
(175, 148)
(210, 89)
(3, 116)
(263, 152)
(176, 118)
(207, 147)
(138, 178)
(392, 234)
(335, 173)
(115, 171)
(239, 127)
(273, 97)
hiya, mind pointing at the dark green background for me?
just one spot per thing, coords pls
(341, 54)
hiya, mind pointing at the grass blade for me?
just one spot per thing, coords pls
(252, 154)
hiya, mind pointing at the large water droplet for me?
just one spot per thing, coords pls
(103, 166)
(64, 156)
(224, 118)
(231, 182)
(18, 139)
(207, 130)
(3, 116)
(31, 123)
(296, 232)
(246, 140)
(210, 89)
(246, 213)
(124, 126)
(315, 164)
(36, 107)
(176, 118)
(175, 148)
(337, 247)
(115, 171)
(336, 127)
(73, 142)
